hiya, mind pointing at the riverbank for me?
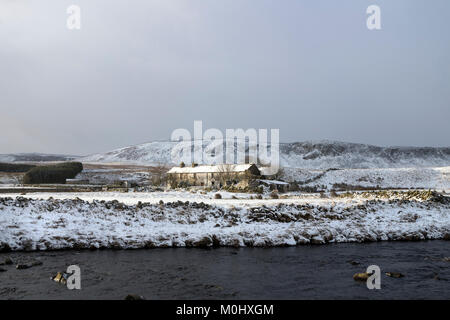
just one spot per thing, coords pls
(32, 224)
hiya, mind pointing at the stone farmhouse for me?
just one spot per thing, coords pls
(212, 175)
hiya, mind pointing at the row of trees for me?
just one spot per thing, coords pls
(56, 173)
(15, 167)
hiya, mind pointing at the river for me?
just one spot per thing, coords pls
(301, 272)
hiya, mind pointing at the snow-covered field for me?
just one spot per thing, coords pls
(10, 178)
(139, 220)
(112, 175)
(132, 198)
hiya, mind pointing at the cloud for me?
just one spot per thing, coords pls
(139, 69)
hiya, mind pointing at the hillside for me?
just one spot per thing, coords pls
(310, 154)
(34, 157)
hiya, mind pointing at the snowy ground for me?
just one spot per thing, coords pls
(229, 199)
(8, 178)
(387, 178)
(132, 198)
(104, 174)
(138, 220)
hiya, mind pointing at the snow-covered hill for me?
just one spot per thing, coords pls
(152, 153)
(385, 178)
(332, 154)
(310, 154)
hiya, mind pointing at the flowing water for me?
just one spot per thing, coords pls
(302, 272)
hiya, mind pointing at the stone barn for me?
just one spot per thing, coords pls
(212, 175)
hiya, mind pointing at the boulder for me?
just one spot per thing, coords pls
(61, 277)
(361, 276)
(394, 274)
(7, 261)
(134, 297)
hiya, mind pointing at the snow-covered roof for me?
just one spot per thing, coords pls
(274, 182)
(266, 171)
(212, 168)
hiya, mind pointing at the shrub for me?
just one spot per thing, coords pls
(274, 194)
(293, 186)
(159, 175)
(308, 189)
(15, 167)
(57, 173)
(217, 196)
(259, 190)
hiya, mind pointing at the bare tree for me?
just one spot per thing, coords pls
(225, 173)
(158, 174)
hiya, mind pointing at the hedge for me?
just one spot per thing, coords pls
(15, 167)
(57, 173)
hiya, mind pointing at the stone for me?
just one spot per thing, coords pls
(7, 261)
(394, 274)
(4, 247)
(361, 276)
(36, 263)
(203, 242)
(134, 297)
(60, 277)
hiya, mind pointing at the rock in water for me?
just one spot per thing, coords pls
(361, 276)
(7, 261)
(394, 274)
(61, 277)
(36, 263)
(134, 297)
(22, 266)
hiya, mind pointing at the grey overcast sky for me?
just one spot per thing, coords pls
(139, 69)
